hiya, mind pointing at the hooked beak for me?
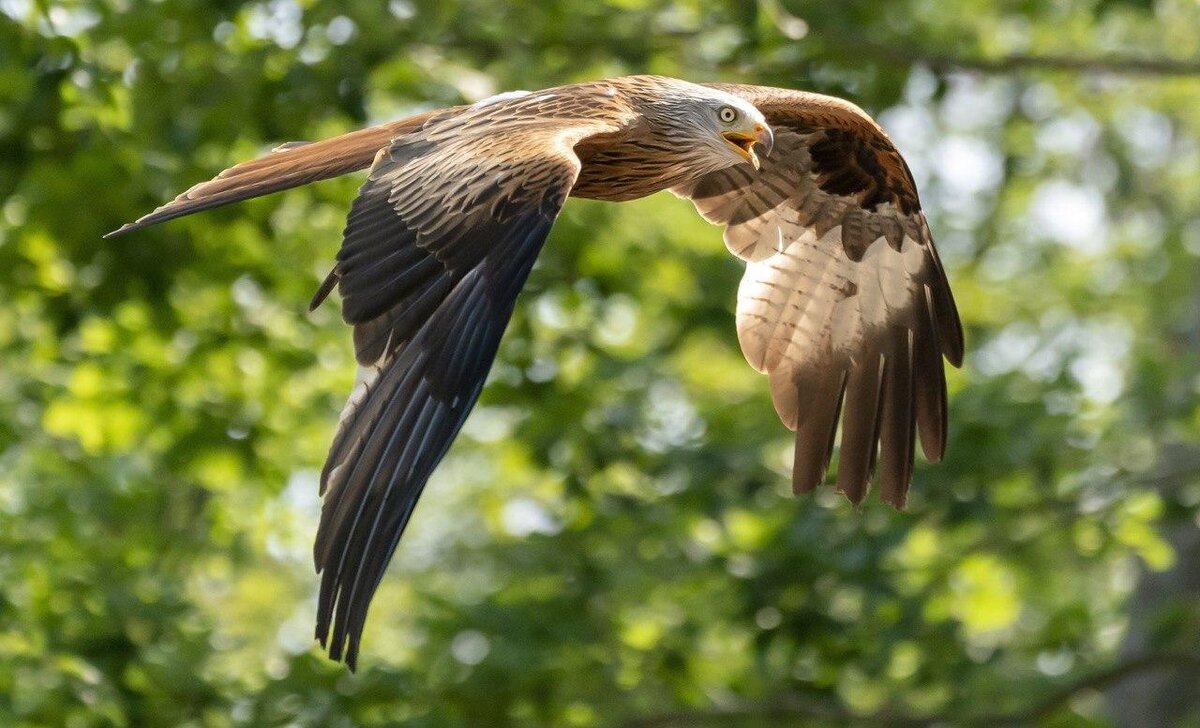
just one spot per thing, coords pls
(743, 142)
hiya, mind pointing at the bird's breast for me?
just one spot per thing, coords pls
(628, 169)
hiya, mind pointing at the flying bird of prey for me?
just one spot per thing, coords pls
(844, 302)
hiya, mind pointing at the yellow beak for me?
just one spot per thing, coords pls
(743, 142)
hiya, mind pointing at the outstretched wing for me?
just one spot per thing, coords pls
(437, 245)
(844, 302)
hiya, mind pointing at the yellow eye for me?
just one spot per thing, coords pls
(727, 114)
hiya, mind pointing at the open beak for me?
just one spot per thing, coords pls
(743, 142)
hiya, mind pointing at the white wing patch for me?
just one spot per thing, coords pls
(809, 300)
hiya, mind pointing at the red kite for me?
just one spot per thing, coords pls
(844, 303)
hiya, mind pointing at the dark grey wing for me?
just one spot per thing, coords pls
(844, 302)
(437, 246)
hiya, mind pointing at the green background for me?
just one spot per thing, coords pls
(583, 558)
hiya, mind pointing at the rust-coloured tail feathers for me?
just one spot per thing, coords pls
(289, 165)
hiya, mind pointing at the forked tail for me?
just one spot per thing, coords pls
(287, 166)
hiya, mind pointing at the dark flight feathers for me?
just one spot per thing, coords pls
(429, 283)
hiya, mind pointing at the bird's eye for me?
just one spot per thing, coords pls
(727, 114)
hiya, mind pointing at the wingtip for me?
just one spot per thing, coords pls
(807, 475)
(802, 486)
(954, 343)
(343, 650)
(338, 651)
(855, 492)
(897, 502)
(934, 446)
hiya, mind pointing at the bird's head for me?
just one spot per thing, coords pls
(744, 130)
(721, 128)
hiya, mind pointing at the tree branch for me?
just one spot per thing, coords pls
(1127, 65)
(1114, 64)
(799, 709)
(1102, 679)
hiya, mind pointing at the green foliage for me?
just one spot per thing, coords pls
(612, 541)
